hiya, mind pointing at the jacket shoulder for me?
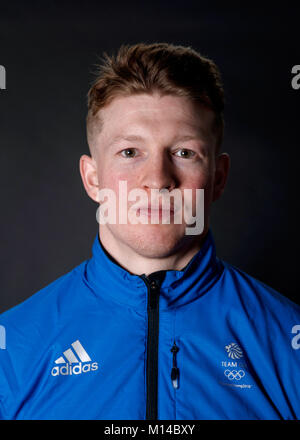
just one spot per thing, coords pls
(40, 303)
(257, 295)
(29, 329)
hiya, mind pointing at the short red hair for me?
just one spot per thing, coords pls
(157, 67)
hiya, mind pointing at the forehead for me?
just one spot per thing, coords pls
(155, 113)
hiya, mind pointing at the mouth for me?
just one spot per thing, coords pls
(148, 211)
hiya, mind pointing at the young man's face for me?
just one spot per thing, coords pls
(155, 142)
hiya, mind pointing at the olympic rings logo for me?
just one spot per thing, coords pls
(234, 374)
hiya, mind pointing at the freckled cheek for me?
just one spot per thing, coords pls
(112, 181)
(201, 181)
(106, 169)
(110, 178)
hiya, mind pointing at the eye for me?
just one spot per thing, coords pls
(184, 153)
(128, 152)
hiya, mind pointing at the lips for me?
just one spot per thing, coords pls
(148, 210)
(154, 212)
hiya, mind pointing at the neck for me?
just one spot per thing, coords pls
(138, 264)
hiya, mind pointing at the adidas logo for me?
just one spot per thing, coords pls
(83, 361)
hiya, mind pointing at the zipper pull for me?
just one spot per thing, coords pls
(175, 370)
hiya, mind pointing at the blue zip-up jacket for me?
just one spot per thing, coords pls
(207, 342)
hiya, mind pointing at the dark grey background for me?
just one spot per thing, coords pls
(49, 50)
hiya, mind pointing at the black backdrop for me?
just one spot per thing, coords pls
(49, 50)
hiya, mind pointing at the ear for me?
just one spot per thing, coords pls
(89, 176)
(221, 174)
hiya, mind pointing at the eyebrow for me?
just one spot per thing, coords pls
(127, 138)
(140, 138)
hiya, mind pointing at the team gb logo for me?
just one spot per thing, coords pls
(234, 351)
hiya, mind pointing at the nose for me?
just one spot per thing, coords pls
(158, 173)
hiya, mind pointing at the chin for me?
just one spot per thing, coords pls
(154, 241)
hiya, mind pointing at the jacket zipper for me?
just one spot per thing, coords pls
(175, 370)
(152, 347)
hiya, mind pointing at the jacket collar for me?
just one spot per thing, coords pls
(177, 287)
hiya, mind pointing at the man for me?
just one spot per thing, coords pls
(154, 325)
